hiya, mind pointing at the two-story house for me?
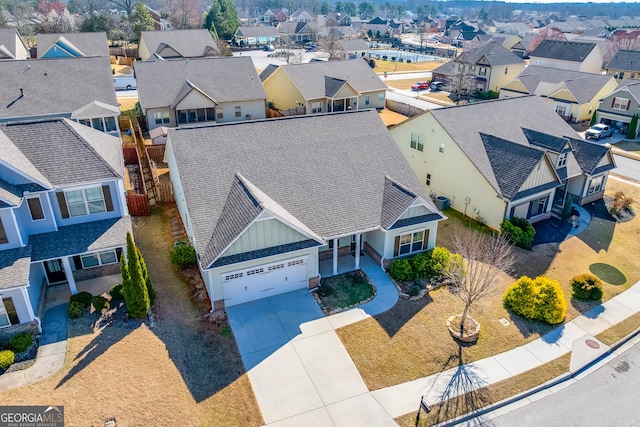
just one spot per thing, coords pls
(618, 108)
(63, 214)
(272, 16)
(499, 159)
(72, 45)
(11, 45)
(566, 55)
(625, 64)
(291, 195)
(574, 95)
(176, 44)
(486, 68)
(79, 89)
(186, 91)
(321, 87)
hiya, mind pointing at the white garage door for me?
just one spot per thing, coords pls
(264, 281)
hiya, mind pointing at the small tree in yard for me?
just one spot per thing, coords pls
(631, 129)
(134, 282)
(473, 270)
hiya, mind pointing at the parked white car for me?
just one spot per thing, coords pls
(598, 131)
(124, 82)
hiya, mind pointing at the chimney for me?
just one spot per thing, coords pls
(21, 93)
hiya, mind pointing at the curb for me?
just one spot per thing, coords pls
(624, 153)
(546, 386)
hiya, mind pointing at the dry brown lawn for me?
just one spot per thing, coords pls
(185, 371)
(410, 340)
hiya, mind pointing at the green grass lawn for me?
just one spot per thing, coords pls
(344, 290)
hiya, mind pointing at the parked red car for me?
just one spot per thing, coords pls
(420, 86)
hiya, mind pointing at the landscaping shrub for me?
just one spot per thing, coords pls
(7, 357)
(98, 302)
(519, 231)
(538, 299)
(420, 264)
(83, 298)
(620, 202)
(325, 290)
(183, 254)
(414, 290)
(401, 270)
(20, 342)
(438, 261)
(116, 292)
(75, 309)
(586, 287)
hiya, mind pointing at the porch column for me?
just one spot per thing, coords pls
(335, 256)
(69, 273)
(358, 238)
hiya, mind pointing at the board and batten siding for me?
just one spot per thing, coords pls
(453, 175)
(541, 174)
(264, 234)
(604, 161)
(213, 280)
(415, 211)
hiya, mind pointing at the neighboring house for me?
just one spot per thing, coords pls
(271, 16)
(486, 68)
(80, 89)
(11, 45)
(572, 94)
(313, 189)
(565, 55)
(504, 158)
(322, 87)
(63, 214)
(617, 109)
(255, 36)
(72, 45)
(176, 44)
(298, 32)
(625, 64)
(159, 23)
(186, 91)
(303, 15)
(353, 48)
(377, 26)
(507, 41)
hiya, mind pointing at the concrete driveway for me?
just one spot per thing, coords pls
(300, 372)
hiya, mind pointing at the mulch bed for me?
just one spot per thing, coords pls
(24, 359)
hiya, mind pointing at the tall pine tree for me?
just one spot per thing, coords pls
(134, 286)
(222, 19)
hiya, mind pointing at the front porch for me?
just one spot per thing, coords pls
(60, 294)
(345, 264)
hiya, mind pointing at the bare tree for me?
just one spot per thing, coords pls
(463, 79)
(288, 51)
(480, 259)
(547, 33)
(332, 45)
(184, 14)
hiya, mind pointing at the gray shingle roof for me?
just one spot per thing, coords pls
(494, 53)
(54, 86)
(269, 69)
(326, 171)
(332, 86)
(14, 267)
(188, 43)
(503, 155)
(65, 152)
(80, 238)
(12, 194)
(223, 79)
(628, 60)
(310, 78)
(584, 86)
(589, 154)
(88, 44)
(395, 200)
(263, 31)
(504, 118)
(566, 51)
(350, 45)
(546, 141)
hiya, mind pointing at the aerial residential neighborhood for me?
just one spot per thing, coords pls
(324, 214)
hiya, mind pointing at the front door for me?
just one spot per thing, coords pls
(55, 271)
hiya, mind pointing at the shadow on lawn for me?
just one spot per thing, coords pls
(404, 310)
(599, 233)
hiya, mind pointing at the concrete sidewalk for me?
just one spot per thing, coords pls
(576, 336)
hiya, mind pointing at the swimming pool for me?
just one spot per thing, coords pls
(413, 57)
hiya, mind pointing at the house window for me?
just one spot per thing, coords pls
(596, 184)
(620, 104)
(417, 141)
(220, 113)
(316, 107)
(238, 111)
(428, 179)
(561, 110)
(410, 242)
(182, 116)
(562, 160)
(96, 259)
(381, 97)
(85, 202)
(194, 116)
(161, 117)
(3, 233)
(232, 276)
(97, 124)
(330, 243)
(35, 208)
(110, 123)
(537, 207)
(366, 100)
(86, 122)
(210, 114)
(8, 313)
(482, 72)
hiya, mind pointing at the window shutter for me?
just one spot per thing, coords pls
(77, 262)
(425, 241)
(628, 104)
(396, 246)
(106, 192)
(613, 102)
(62, 202)
(3, 234)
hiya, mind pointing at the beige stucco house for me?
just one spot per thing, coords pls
(320, 87)
(504, 158)
(574, 95)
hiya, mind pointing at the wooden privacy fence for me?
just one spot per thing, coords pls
(163, 187)
(402, 108)
(137, 201)
(155, 153)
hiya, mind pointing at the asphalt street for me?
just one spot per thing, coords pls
(626, 167)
